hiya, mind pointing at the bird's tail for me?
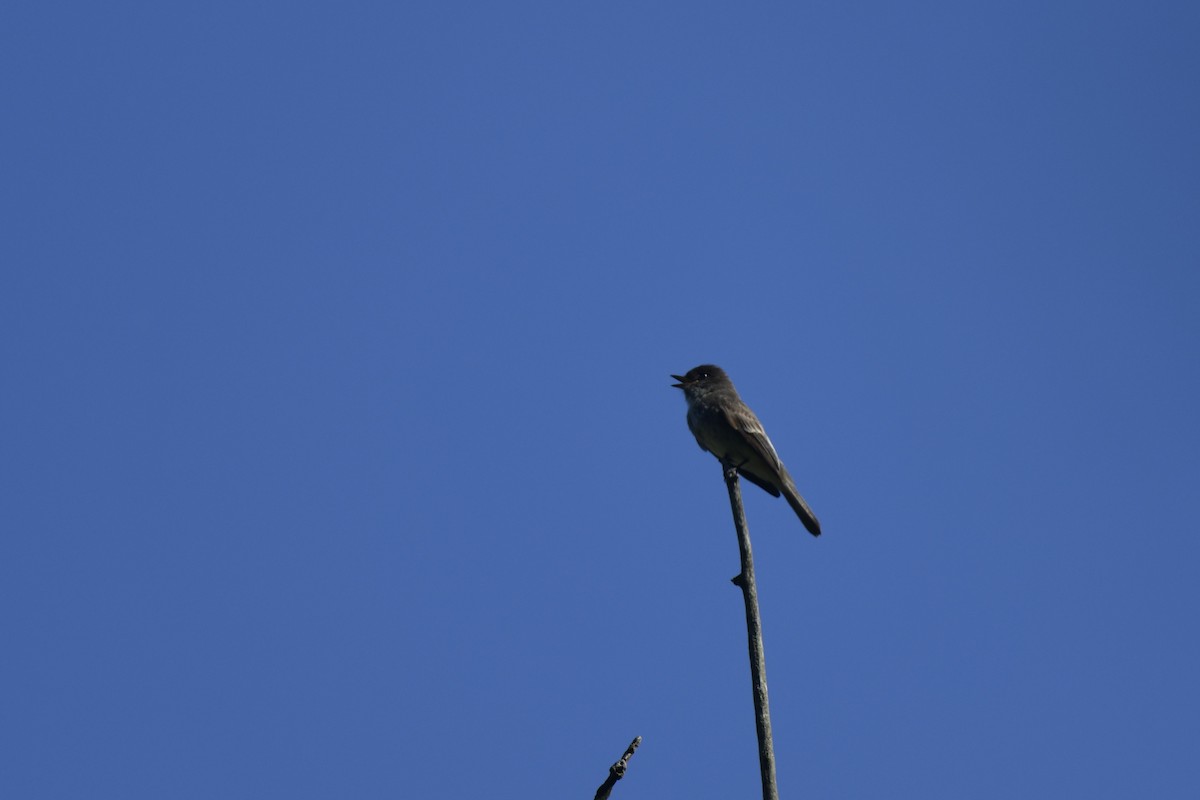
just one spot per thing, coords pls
(801, 508)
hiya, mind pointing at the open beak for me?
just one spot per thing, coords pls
(679, 378)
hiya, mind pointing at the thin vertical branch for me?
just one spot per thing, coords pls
(758, 664)
(617, 770)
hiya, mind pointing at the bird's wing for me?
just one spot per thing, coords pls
(744, 421)
(769, 488)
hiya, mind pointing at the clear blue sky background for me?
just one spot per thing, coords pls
(339, 457)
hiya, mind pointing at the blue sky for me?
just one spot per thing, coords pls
(340, 458)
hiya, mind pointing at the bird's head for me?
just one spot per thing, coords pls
(701, 380)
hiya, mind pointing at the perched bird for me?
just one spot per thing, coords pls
(726, 427)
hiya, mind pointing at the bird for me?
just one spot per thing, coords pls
(726, 427)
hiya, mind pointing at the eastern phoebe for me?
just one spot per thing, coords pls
(726, 427)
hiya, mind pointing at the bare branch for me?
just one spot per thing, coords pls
(617, 770)
(758, 665)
